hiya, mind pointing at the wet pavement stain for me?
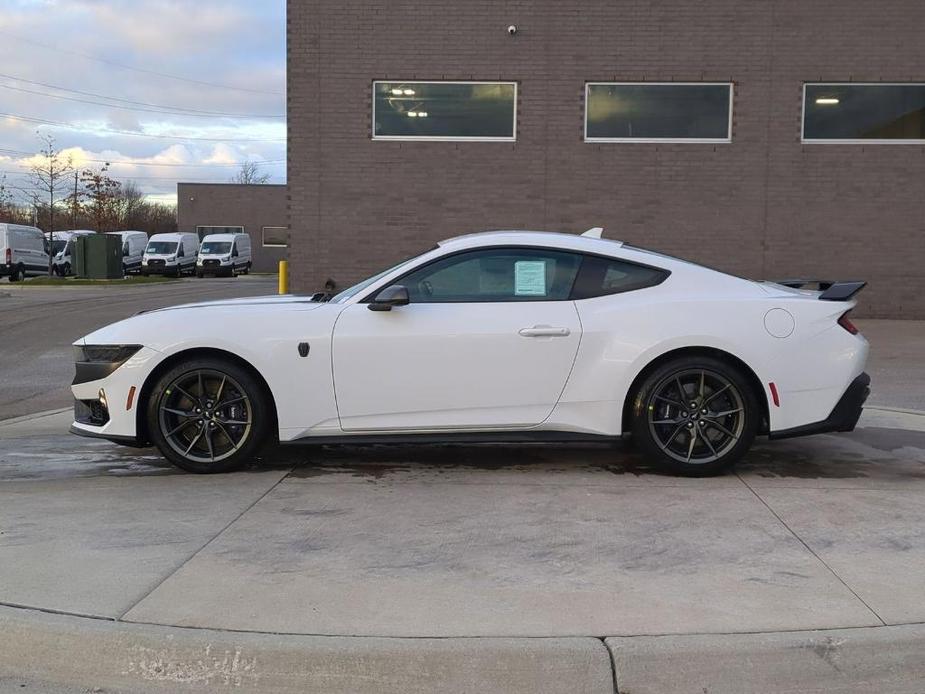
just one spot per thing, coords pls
(872, 452)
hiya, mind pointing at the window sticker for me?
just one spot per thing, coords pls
(530, 278)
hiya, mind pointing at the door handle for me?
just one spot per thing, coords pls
(545, 331)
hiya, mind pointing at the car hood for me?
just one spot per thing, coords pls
(204, 323)
(274, 299)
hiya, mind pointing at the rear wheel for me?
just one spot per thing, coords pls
(695, 416)
(208, 415)
(18, 274)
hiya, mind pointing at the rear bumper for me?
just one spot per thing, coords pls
(844, 416)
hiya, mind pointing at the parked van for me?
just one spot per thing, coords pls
(224, 254)
(22, 252)
(133, 249)
(170, 254)
(62, 249)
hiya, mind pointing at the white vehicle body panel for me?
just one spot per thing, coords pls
(237, 258)
(182, 259)
(437, 367)
(22, 246)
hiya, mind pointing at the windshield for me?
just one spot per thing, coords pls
(161, 247)
(215, 248)
(58, 246)
(357, 288)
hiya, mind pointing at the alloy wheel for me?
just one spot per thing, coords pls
(696, 416)
(205, 415)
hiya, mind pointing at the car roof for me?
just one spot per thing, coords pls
(172, 236)
(222, 237)
(552, 239)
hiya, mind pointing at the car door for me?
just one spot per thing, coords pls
(487, 341)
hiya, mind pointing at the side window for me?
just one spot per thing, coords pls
(603, 276)
(495, 275)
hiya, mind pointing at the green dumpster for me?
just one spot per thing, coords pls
(98, 256)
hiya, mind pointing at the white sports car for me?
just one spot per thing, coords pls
(493, 337)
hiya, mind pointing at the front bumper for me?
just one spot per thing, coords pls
(844, 416)
(107, 405)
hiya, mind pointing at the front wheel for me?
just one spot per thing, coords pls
(695, 416)
(208, 415)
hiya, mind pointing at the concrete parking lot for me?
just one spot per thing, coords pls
(451, 568)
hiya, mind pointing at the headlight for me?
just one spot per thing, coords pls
(96, 362)
(104, 354)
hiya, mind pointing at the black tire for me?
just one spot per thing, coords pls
(144, 273)
(230, 435)
(247, 269)
(18, 274)
(199, 274)
(66, 270)
(706, 433)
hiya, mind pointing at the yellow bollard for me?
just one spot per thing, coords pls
(283, 276)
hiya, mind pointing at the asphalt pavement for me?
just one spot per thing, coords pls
(38, 325)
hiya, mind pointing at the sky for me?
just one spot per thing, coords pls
(164, 90)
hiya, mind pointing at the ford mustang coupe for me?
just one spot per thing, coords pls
(493, 337)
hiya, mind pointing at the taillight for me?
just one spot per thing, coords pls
(9, 256)
(846, 323)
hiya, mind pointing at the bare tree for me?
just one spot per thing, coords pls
(102, 194)
(7, 206)
(132, 206)
(249, 174)
(49, 176)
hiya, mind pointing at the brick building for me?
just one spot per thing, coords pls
(386, 157)
(230, 208)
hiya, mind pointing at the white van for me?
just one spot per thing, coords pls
(224, 254)
(22, 252)
(170, 254)
(133, 249)
(62, 249)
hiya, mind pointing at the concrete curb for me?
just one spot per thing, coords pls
(55, 649)
(841, 661)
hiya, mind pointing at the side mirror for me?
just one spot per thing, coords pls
(396, 295)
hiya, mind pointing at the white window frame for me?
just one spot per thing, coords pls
(444, 138)
(663, 140)
(853, 141)
(263, 237)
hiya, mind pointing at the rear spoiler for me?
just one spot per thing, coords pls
(831, 290)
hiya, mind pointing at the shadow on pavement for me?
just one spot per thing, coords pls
(872, 452)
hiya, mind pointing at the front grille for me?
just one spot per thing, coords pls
(157, 263)
(91, 412)
(211, 263)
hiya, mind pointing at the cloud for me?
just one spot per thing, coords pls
(229, 54)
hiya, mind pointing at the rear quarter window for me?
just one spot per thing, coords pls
(605, 276)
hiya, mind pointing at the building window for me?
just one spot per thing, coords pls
(204, 231)
(276, 237)
(444, 110)
(866, 113)
(658, 112)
